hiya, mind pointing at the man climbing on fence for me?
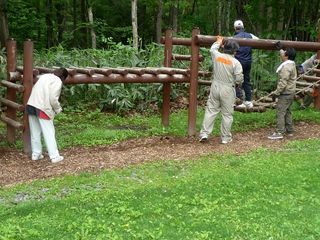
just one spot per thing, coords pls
(285, 93)
(244, 56)
(42, 107)
(227, 72)
(303, 69)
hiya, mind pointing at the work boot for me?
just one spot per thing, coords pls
(248, 104)
(203, 139)
(275, 136)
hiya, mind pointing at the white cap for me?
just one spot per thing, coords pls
(238, 24)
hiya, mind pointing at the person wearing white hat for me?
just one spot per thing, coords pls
(244, 56)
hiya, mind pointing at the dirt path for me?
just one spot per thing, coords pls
(16, 167)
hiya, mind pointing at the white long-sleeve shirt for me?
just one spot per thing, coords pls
(45, 94)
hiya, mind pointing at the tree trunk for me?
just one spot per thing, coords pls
(174, 15)
(134, 18)
(93, 34)
(194, 4)
(39, 11)
(159, 21)
(4, 29)
(228, 11)
(219, 16)
(60, 20)
(84, 22)
(49, 24)
(74, 8)
(288, 18)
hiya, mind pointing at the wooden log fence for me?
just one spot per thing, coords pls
(165, 75)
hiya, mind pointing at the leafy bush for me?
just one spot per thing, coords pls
(141, 97)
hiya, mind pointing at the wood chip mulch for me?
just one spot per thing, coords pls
(16, 167)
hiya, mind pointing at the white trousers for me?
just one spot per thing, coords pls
(46, 127)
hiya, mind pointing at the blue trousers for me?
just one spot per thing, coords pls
(246, 67)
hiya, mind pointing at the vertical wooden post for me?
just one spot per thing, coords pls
(11, 93)
(27, 83)
(167, 86)
(193, 83)
(316, 101)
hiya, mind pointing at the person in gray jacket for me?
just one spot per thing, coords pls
(227, 73)
(41, 108)
(285, 92)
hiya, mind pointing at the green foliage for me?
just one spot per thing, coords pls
(263, 194)
(112, 97)
(25, 21)
(92, 128)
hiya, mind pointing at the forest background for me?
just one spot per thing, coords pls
(127, 33)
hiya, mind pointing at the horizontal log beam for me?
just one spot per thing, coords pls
(88, 71)
(178, 41)
(176, 70)
(267, 99)
(35, 72)
(203, 82)
(44, 70)
(266, 44)
(129, 78)
(138, 71)
(315, 71)
(267, 105)
(121, 71)
(253, 109)
(71, 71)
(11, 122)
(166, 70)
(18, 87)
(204, 74)
(179, 57)
(310, 78)
(12, 104)
(103, 71)
(307, 84)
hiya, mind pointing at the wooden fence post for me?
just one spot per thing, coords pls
(11, 93)
(193, 83)
(316, 101)
(27, 83)
(167, 86)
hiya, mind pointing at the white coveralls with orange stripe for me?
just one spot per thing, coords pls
(227, 71)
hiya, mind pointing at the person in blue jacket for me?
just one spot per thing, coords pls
(244, 56)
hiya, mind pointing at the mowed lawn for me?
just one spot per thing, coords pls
(263, 194)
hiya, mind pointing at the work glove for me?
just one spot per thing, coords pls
(300, 69)
(278, 45)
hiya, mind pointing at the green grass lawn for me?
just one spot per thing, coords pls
(263, 194)
(259, 195)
